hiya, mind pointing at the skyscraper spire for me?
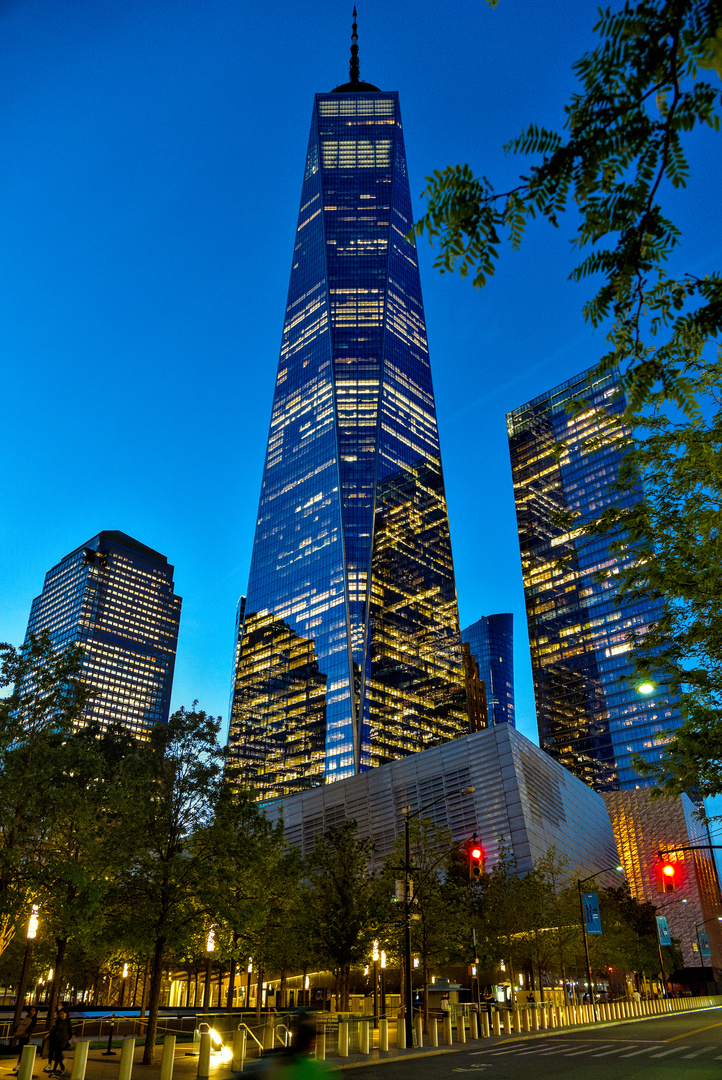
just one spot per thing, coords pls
(354, 68)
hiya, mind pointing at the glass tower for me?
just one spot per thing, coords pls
(491, 640)
(114, 597)
(349, 651)
(591, 716)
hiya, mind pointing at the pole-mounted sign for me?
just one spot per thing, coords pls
(663, 930)
(592, 919)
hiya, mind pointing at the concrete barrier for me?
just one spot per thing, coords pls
(343, 1038)
(320, 1043)
(364, 1037)
(484, 1020)
(166, 1062)
(383, 1035)
(419, 1030)
(448, 1035)
(27, 1062)
(461, 1028)
(433, 1031)
(473, 1024)
(400, 1033)
(506, 1018)
(127, 1051)
(80, 1060)
(495, 1022)
(543, 1018)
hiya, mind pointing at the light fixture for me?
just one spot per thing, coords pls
(646, 688)
(211, 940)
(125, 971)
(383, 960)
(33, 924)
(375, 952)
(250, 965)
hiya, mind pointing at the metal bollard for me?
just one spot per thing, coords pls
(167, 1060)
(484, 1020)
(80, 1060)
(433, 1032)
(400, 1033)
(268, 1034)
(448, 1036)
(364, 1037)
(419, 1030)
(110, 1052)
(506, 1017)
(543, 1017)
(460, 1028)
(321, 1043)
(239, 1049)
(495, 1022)
(127, 1051)
(27, 1061)
(383, 1034)
(525, 1022)
(343, 1038)
(473, 1025)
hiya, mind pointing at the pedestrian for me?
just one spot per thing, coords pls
(636, 995)
(58, 1040)
(23, 1030)
(445, 1003)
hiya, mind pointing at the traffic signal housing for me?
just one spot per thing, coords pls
(476, 860)
(666, 873)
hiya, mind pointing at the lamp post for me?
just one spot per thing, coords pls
(375, 957)
(383, 983)
(408, 1004)
(210, 948)
(580, 882)
(31, 935)
(247, 1002)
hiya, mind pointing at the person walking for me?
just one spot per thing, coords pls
(58, 1040)
(23, 1030)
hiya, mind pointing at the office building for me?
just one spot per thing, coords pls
(114, 597)
(491, 643)
(690, 897)
(591, 716)
(350, 653)
(522, 799)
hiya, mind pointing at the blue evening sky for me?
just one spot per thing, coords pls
(152, 160)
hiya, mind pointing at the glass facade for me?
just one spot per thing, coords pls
(591, 716)
(491, 641)
(114, 597)
(349, 651)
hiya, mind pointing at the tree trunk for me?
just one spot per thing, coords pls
(62, 944)
(144, 996)
(425, 970)
(135, 984)
(282, 990)
(259, 988)
(156, 978)
(231, 984)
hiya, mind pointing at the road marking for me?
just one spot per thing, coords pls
(666, 1053)
(644, 1050)
(589, 1050)
(704, 1050)
(686, 1034)
(616, 1050)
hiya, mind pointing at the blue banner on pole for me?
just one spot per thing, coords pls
(704, 943)
(663, 931)
(591, 913)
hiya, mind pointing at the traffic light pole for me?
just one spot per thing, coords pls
(586, 951)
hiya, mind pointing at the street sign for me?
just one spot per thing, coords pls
(592, 919)
(663, 930)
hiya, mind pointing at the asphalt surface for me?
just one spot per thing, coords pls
(687, 1046)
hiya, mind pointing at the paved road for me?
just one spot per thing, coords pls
(688, 1047)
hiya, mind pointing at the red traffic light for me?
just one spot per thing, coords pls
(666, 876)
(668, 869)
(476, 860)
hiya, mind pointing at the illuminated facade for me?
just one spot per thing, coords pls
(349, 650)
(591, 716)
(491, 642)
(691, 902)
(114, 597)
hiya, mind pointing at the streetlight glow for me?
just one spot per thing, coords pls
(33, 924)
(375, 952)
(383, 959)
(646, 688)
(211, 940)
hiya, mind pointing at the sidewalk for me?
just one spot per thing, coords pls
(185, 1066)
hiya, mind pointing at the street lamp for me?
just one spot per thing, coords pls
(375, 958)
(408, 1005)
(580, 882)
(210, 949)
(31, 935)
(383, 983)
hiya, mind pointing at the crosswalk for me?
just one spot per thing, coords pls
(597, 1048)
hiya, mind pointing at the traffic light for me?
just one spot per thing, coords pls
(666, 876)
(476, 860)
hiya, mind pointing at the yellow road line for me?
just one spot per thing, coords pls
(696, 1030)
